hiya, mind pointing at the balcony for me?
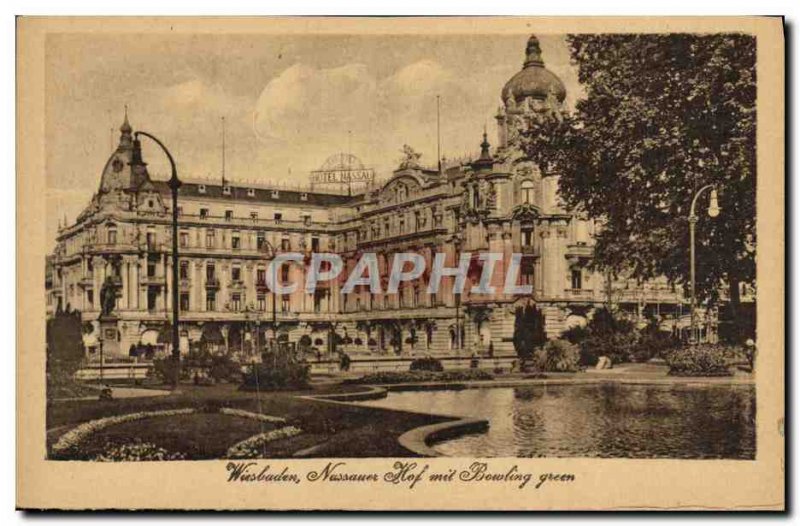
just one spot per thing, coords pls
(530, 250)
(86, 281)
(579, 294)
(155, 279)
(579, 251)
(212, 283)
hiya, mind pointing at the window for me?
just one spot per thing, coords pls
(151, 241)
(527, 271)
(284, 273)
(251, 192)
(527, 238)
(112, 237)
(235, 241)
(151, 267)
(278, 217)
(402, 226)
(210, 241)
(260, 240)
(314, 244)
(211, 300)
(236, 302)
(228, 215)
(261, 302)
(90, 265)
(184, 302)
(386, 227)
(284, 304)
(254, 215)
(184, 270)
(577, 279)
(318, 301)
(203, 213)
(261, 276)
(226, 190)
(236, 273)
(210, 272)
(201, 188)
(90, 297)
(184, 239)
(285, 245)
(527, 191)
(417, 220)
(152, 296)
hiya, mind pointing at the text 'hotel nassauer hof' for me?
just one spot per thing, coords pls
(228, 234)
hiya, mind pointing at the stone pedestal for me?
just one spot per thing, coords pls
(109, 335)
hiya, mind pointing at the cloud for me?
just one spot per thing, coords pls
(314, 112)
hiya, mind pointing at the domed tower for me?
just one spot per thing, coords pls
(533, 90)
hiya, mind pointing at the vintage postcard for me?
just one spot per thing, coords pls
(400, 263)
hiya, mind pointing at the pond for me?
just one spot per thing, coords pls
(596, 420)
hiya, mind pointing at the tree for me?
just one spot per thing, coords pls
(663, 116)
(65, 352)
(528, 331)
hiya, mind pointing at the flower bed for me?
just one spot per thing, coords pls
(253, 416)
(251, 447)
(391, 377)
(140, 451)
(72, 439)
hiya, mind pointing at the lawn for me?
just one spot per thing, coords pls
(333, 430)
(199, 436)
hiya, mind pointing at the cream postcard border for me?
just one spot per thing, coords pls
(600, 484)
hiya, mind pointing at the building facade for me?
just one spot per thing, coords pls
(116, 257)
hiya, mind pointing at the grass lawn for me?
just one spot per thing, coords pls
(199, 436)
(335, 430)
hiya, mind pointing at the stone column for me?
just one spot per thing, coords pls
(135, 292)
(123, 304)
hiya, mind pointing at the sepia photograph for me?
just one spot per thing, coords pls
(412, 246)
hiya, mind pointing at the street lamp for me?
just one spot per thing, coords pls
(713, 211)
(174, 184)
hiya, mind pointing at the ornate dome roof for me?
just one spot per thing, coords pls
(342, 161)
(534, 80)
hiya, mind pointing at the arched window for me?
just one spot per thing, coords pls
(526, 189)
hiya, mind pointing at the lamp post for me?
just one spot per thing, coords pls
(713, 211)
(174, 184)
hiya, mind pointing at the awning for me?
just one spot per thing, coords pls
(212, 334)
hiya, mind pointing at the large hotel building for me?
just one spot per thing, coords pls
(229, 232)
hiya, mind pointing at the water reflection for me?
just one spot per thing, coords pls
(597, 420)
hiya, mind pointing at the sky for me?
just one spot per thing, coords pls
(288, 102)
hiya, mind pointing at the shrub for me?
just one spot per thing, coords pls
(699, 360)
(223, 368)
(279, 370)
(557, 356)
(163, 370)
(426, 364)
(575, 334)
(528, 331)
(653, 342)
(393, 377)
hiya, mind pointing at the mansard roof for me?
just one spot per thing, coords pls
(249, 194)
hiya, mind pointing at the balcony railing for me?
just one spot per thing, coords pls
(580, 294)
(212, 283)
